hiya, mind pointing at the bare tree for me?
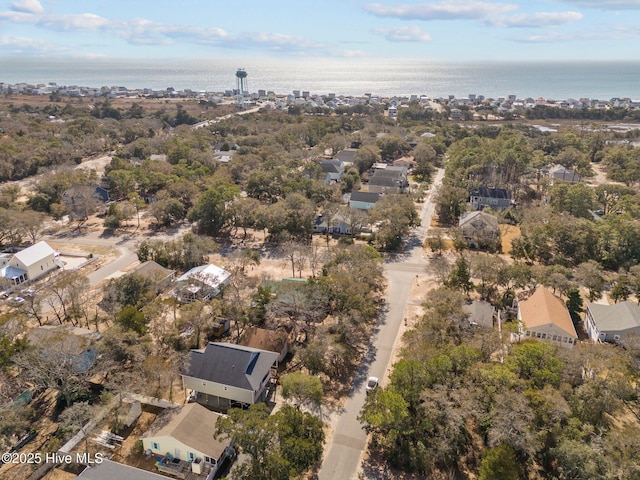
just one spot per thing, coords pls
(294, 255)
(76, 417)
(61, 363)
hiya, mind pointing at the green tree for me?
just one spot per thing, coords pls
(395, 214)
(302, 389)
(450, 204)
(279, 446)
(500, 463)
(301, 439)
(460, 277)
(536, 362)
(211, 210)
(132, 319)
(575, 305)
(365, 157)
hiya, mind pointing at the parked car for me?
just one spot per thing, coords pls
(15, 301)
(372, 383)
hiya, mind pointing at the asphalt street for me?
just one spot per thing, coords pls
(347, 444)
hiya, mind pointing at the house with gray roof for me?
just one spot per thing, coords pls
(480, 313)
(109, 470)
(561, 174)
(612, 323)
(159, 276)
(495, 198)
(479, 229)
(223, 374)
(333, 170)
(364, 200)
(348, 155)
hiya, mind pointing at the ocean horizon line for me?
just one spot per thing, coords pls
(600, 80)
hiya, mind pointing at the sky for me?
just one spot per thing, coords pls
(441, 30)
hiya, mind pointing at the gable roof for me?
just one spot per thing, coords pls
(211, 275)
(385, 181)
(486, 192)
(544, 308)
(270, 340)
(616, 317)
(332, 166)
(152, 270)
(82, 191)
(347, 155)
(478, 216)
(229, 364)
(393, 174)
(34, 253)
(480, 313)
(367, 197)
(192, 425)
(108, 470)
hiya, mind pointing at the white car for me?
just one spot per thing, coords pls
(372, 383)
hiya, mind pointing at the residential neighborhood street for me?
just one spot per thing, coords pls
(345, 448)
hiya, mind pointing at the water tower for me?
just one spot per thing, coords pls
(241, 85)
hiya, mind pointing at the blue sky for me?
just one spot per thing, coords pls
(441, 30)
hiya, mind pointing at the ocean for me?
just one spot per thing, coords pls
(550, 80)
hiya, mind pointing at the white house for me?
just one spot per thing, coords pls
(187, 434)
(612, 323)
(201, 283)
(222, 374)
(28, 264)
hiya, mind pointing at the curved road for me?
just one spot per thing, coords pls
(345, 447)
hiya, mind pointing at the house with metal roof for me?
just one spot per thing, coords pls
(545, 317)
(612, 323)
(201, 283)
(223, 374)
(185, 438)
(29, 264)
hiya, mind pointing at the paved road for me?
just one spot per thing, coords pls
(127, 245)
(345, 448)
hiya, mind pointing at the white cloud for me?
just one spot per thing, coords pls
(23, 44)
(605, 4)
(27, 6)
(140, 31)
(551, 37)
(18, 17)
(444, 10)
(535, 20)
(412, 33)
(80, 22)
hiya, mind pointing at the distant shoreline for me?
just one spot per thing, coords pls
(382, 78)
